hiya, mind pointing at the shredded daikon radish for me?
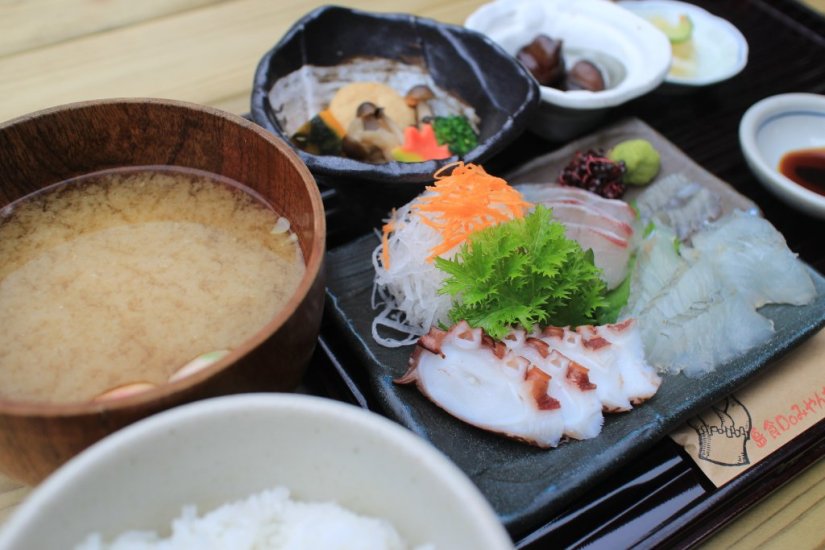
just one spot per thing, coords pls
(436, 223)
(406, 291)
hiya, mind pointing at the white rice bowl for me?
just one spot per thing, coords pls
(222, 450)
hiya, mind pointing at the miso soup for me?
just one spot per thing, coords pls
(125, 276)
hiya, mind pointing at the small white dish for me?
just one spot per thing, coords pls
(227, 448)
(633, 53)
(715, 52)
(778, 125)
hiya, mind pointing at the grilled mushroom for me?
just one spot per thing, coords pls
(371, 136)
(417, 97)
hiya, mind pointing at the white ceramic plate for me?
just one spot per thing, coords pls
(719, 51)
(227, 448)
(777, 125)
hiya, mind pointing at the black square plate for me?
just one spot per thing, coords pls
(527, 485)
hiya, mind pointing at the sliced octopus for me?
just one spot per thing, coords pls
(538, 387)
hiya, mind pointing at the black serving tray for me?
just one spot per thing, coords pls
(525, 484)
(661, 499)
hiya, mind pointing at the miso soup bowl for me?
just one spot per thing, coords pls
(56, 144)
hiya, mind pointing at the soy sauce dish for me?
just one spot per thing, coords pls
(783, 141)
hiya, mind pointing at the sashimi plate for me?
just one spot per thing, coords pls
(526, 485)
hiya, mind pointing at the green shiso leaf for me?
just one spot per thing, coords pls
(617, 298)
(522, 273)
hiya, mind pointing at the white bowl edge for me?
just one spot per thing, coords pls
(650, 48)
(700, 16)
(77, 474)
(782, 186)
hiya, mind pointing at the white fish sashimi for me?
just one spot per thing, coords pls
(605, 226)
(536, 387)
(709, 337)
(679, 203)
(586, 215)
(550, 193)
(698, 308)
(753, 256)
(611, 252)
(657, 266)
(700, 209)
(700, 324)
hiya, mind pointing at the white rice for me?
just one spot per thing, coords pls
(267, 520)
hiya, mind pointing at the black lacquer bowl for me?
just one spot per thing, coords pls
(460, 61)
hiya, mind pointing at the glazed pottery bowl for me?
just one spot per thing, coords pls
(715, 50)
(225, 449)
(459, 61)
(65, 142)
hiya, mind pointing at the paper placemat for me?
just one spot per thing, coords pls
(737, 433)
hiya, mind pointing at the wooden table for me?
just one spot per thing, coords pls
(205, 51)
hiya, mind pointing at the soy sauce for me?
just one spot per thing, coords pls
(805, 167)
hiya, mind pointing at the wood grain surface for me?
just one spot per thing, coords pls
(59, 51)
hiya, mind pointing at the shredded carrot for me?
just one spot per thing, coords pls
(385, 241)
(465, 201)
(460, 203)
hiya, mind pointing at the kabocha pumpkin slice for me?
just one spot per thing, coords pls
(320, 135)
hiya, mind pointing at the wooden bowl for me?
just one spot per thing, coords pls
(68, 141)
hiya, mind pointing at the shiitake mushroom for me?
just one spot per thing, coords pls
(543, 58)
(584, 75)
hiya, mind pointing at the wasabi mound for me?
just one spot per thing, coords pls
(641, 160)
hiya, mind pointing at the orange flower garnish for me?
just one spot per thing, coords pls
(420, 145)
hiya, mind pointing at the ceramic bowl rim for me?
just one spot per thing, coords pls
(755, 118)
(592, 101)
(117, 447)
